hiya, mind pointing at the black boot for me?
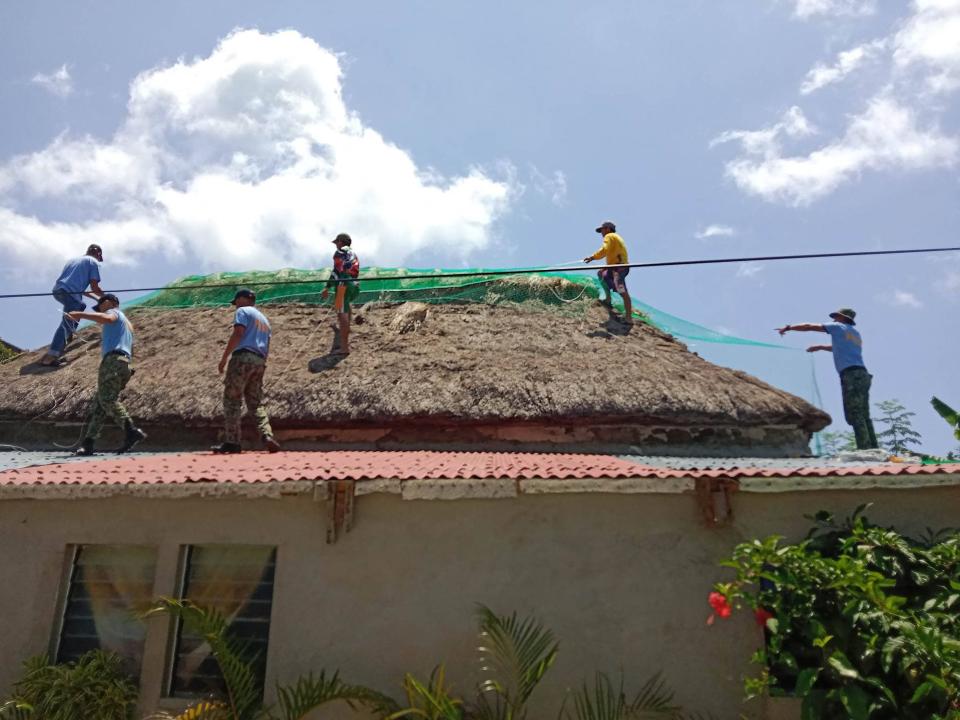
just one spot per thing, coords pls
(85, 449)
(226, 448)
(132, 437)
(271, 444)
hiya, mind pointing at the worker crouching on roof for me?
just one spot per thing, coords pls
(245, 361)
(76, 276)
(855, 381)
(346, 269)
(613, 279)
(116, 351)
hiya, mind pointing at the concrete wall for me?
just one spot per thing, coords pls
(621, 578)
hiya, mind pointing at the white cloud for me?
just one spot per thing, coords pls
(847, 61)
(766, 142)
(553, 186)
(246, 158)
(749, 269)
(804, 9)
(715, 231)
(902, 298)
(930, 40)
(949, 284)
(57, 82)
(886, 135)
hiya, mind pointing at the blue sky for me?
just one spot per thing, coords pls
(194, 137)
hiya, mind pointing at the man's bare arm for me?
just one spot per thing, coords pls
(802, 327)
(95, 290)
(232, 343)
(825, 348)
(97, 317)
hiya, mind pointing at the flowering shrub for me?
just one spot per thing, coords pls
(860, 621)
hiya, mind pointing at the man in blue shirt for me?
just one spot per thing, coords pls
(847, 349)
(116, 352)
(76, 276)
(245, 361)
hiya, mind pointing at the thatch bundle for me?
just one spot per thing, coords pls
(446, 367)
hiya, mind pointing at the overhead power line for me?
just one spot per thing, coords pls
(522, 271)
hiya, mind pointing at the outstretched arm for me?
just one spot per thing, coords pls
(97, 317)
(599, 253)
(802, 327)
(825, 348)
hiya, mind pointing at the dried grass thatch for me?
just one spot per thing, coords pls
(440, 366)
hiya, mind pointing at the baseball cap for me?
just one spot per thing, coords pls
(244, 293)
(106, 296)
(94, 248)
(344, 238)
(606, 224)
(846, 313)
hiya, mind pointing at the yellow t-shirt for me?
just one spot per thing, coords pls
(613, 249)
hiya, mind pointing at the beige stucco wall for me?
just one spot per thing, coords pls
(621, 578)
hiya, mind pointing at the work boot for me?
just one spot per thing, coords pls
(85, 449)
(132, 437)
(226, 448)
(272, 445)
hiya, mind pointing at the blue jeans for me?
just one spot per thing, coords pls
(71, 302)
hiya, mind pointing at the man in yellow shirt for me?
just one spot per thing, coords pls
(615, 279)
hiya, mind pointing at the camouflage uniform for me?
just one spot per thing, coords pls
(855, 383)
(114, 374)
(244, 381)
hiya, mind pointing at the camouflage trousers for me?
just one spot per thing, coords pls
(114, 374)
(244, 382)
(855, 383)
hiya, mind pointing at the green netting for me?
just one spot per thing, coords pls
(562, 292)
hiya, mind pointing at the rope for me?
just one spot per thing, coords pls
(522, 271)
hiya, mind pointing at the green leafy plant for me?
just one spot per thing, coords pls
(433, 700)
(860, 621)
(949, 414)
(604, 701)
(835, 442)
(243, 696)
(898, 434)
(94, 686)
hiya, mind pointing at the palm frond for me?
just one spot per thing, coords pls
(296, 701)
(515, 653)
(605, 701)
(231, 653)
(16, 710)
(432, 700)
(948, 414)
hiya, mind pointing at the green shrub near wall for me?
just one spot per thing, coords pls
(860, 621)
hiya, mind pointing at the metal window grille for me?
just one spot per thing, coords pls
(109, 586)
(237, 581)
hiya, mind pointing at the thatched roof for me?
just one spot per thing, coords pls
(427, 375)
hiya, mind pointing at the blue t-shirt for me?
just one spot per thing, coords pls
(117, 335)
(256, 333)
(847, 345)
(77, 274)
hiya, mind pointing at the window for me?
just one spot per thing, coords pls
(237, 580)
(109, 586)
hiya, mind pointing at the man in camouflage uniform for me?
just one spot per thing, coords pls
(245, 361)
(855, 381)
(115, 372)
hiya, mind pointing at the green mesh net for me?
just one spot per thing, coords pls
(561, 292)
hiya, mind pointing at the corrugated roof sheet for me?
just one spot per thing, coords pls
(248, 468)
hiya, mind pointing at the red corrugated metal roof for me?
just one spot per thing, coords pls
(170, 469)
(322, 465)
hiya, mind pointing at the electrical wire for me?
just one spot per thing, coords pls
(520, 271)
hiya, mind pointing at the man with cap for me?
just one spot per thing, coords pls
(847, 349)
(346, 269)
(613, 279)
(245, 361)
(76, 276)
(116, 351)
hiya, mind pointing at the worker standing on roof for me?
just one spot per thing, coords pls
(346, 269)
(613, 279)
(245, 361)
(847, 349)
(116, 350)
(76, 276)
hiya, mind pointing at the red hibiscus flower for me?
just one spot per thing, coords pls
(761, 615)
(721, 607)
